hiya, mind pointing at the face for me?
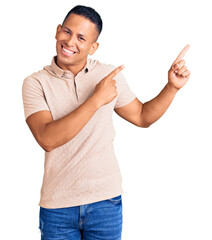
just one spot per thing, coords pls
(75, 40)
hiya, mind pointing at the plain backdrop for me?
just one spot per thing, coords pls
(166, 168)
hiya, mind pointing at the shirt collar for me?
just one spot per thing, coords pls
(66, 73)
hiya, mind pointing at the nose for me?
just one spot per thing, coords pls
(71, 41)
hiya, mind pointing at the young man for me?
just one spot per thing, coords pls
(68, 107)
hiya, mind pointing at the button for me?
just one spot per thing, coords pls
(64, 74)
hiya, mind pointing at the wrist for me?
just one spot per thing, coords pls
(95, 101)
(172, 88)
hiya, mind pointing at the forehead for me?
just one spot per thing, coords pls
(80, 24)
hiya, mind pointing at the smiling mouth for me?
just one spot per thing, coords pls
(67, 52)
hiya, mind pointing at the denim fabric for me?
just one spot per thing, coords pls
(99, 220)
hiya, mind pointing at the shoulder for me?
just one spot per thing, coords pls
(34, 80)
(101, 66)
(36, 77)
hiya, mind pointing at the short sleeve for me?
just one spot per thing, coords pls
(125, 94)
(33, 96)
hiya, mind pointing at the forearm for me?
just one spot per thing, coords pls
(62, 130)
(154, 109)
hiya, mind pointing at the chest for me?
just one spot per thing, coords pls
(64, 96)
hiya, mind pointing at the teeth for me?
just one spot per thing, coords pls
(65, 50)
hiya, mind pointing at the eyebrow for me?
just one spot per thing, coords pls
(78, 33)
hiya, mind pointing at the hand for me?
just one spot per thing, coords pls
(105, 90)
(178, 74)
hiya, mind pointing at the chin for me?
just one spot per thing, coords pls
(64, 59)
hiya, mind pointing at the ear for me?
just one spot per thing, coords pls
(93, 48)
(57, 31)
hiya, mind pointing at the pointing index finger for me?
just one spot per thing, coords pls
(115, 72)
(182, 53)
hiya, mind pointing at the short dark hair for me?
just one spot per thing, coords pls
(88, 13)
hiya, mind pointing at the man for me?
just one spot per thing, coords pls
(68, 108)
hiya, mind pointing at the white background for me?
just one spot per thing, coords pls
(166, 169)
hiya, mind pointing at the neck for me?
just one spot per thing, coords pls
(75, 68)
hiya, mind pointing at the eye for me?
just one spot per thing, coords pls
(66, 31)
(81, 38)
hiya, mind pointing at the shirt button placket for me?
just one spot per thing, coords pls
(77, 82)
(76, 88)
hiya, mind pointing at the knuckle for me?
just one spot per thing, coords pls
(175, 66)
(182, 62)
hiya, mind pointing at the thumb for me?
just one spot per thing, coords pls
(175, 67)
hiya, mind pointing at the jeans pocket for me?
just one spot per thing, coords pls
(115, 200)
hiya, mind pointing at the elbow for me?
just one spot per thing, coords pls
(45, 144)
(145, 125)
(46, 148)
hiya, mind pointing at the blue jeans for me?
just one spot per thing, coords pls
(98, 220)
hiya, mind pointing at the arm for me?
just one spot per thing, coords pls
(51, 134)
(143, 115)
